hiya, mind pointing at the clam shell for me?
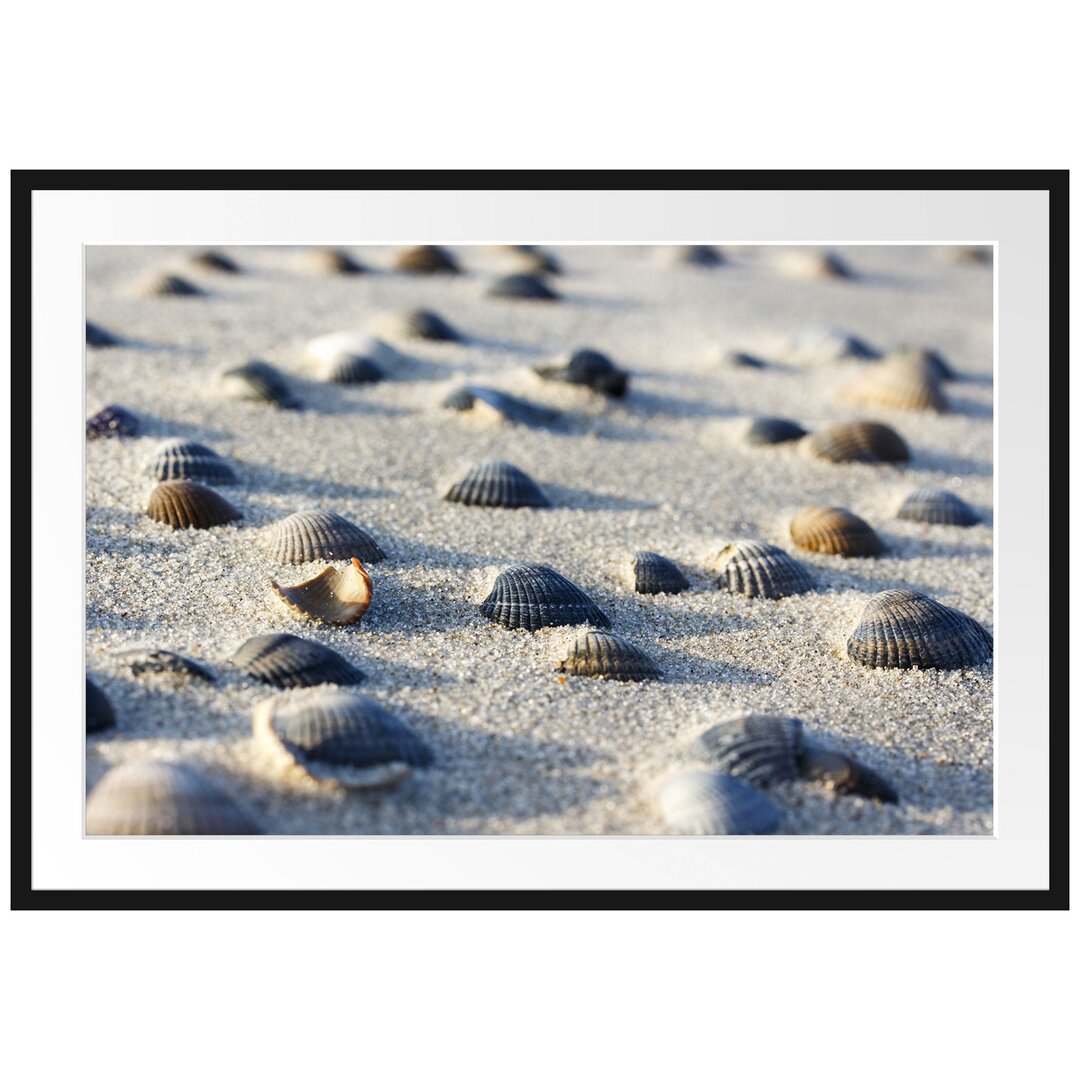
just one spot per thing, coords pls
(497, 483)
(500, 406)
(811, 265)
(286, 661)
(258, 381)
(530, 595)
(319, 535)
(170, 285)
(587, 367)
(349, 357)
(215, 261)
(426, 259)
(936, 507)
(970, 255)
(97, 338)
(333, 261)
(903, 629)
(184, 504)
(340, 738)
(421, 323)
(163, 662)
(607, 656)
(112, 421)
(521, 287)
(533, 261)
(834, 531)
(862, 441)
(654, 574)
(339, 597)
(929, 360)
(754, 568)
(99, 710)
(154, 798)
(701, 255)
(715, 804)
(826, 344)
(179, 459)
(897, 384)
(768, 430)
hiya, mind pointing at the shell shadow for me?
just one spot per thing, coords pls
(952, 464)
(160, 427)
(651, 403)
(516, 347)
(569, 498)
(918, 547)
(967, 407)
(840, 580)
(263, 477)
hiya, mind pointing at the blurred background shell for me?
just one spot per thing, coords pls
(769, 430)
(497, 483)
(287, 661)
(420, 323)
(260, 382)
(500, 406)
(808, 264)
(933, 506)
(714, 804)
(589, 368)
(99, 338)
(824, 344)
(99, 711)
(111, 422)
(146, 661)
(351, 357)
(426, 259)
(530, 596)
(331, 261)
(863, 441)
(832, 530)
(216, 262)
(897, 383)
(694, 255)
(320, 535)
(169, 285)
(521, 287)
(185, 504)
(756, 569)
(607, 656)
(181, 459)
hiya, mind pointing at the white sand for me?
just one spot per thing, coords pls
(518, 749)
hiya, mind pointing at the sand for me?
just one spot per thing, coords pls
(519, 749)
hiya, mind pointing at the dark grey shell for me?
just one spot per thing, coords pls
(425, 324)
(757, 569)
(319, 535)
(258, 381)
(98, 338)
(833, 530)
(522, 287)
(607, 656)
(587, 367)
(185, 504)
(735, 358)
(497, 483)
(825, 344)
(932, 506)
(654, 574)
(903, 629)
(287, 661)
(698, 255)
(334, 261)
(530, 595)
(715, 804)
(767, 430)
(99, 710)
(179, 459)
(426, 259)
(337, 727)
(154, 798)
(348, 369)
(170, 285)
(215, 261)
(862, 440)
(110, 422)
(163, 662)
(514, 409)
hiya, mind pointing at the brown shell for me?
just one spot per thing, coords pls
(426, 259)
(862, 441)
(899, 382)
(185, 504)
(834, 531)
(338, 597)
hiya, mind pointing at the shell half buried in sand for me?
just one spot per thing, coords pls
(337, 597)
(832, 530)
(756, 569)
(714, 804)
(608, 656)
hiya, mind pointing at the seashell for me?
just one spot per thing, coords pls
(319, 535)
(97, 338)
(700, 255)
(99, 710)
(521, 287)
(333, 261)
(348, 357)
(769, 430)
(970, 255)
(169, 285)
(339, 738)
(215, 261)
(179, 459)
(844, 774)
(286, 661)
(258, 381)
(497, 483)
(936, 507)
(163, 662)
(929, 360)
(715, 804)
(903, 629)
(834, 531)
(825, 344)
(156, 798)
(421, 323)
(810, 265)
(654, 574)
(607, 656)
(426, 259)
(754, 568)
(734, 358)
(112, 421)
(338, 597)
(529, 596)
(495, 404)
(531, 260)
(897, 383)
(862, 441)
(587, 367)
(184, 504)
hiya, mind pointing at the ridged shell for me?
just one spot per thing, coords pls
(286, 661)
(737, 359)
(928, 360)
(319, 535)
(154, 798)
(179, 459)
(333, 261)
(497, 483)
(338, 597)
(163, 662)
(932, 506)
(834, 531)
(426, 259)
(607, 656)
(812, 265)
(99, 710)
(897, 384)
(496, 404)
(862, 441)
(184, 504)
(258, 381)
(170, 285)
(769, 430)
(97, 338)
(112, 421)
(215, 261)
(714, 804)
(696, 255)
(350, 357)
(654, 574)
(420, 323)
(754, 568)
(825, 344)
(530, 595)
(587, 367)
(903, 629)
(521, 287)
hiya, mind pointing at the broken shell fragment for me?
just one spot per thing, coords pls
(338, 597)
(654, 574)
(180, 459)
(420, 323)
(715, 804)
(99, 710)
(319, 535)
(757, 569)
(530, 595)
(112, 421)
(185, 504)
(169, 285)
(932, 506)
(258, 381)
(833, 530)
(497, 483)
(163, 662)
(769, 430)
(494, 404)
(97, 338)
(587, 367)
(426, 259)
(521, 287)
(862, 441)
(607, 656)
(287, 661)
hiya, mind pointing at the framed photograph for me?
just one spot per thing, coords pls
(563, 539)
